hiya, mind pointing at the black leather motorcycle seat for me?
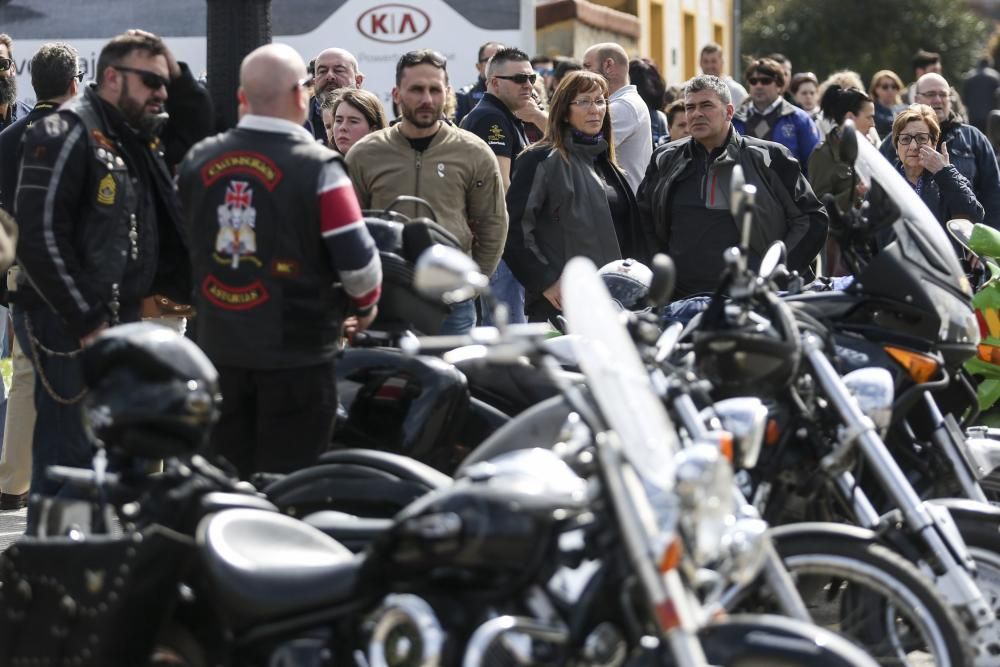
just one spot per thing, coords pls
(395, 464)
(353, 531)
(264, 565)
(512, 388)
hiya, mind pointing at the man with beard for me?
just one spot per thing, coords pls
(423, 155)
(11, 108)
(99, 230)
(333, 69)
(968, 148)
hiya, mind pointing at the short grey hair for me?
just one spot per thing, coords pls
(709, 82)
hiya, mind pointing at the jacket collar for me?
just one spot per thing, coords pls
(276, 125)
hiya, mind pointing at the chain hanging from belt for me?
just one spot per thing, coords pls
(37, 346)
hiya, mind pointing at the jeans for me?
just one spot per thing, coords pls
(59, 438)
(461, 319)
(508, 291)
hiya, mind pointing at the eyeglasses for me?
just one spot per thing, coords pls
(935, 94)
(584, 103)
(302, 83)
(548, 71)
(5, 64)
(921, 138)
(760, 80)
(151, 80)
(519, 79)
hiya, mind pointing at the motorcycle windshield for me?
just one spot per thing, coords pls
(922, 249)
(616, 376)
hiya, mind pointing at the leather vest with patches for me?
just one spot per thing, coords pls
(265, 288)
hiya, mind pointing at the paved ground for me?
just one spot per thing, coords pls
(11, 526)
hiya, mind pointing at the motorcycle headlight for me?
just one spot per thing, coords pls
(704, 485)
(743, 546)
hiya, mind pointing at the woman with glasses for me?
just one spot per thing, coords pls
(568, 197)
(885, 92)
(947, 193)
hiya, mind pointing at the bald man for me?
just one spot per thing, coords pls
(630, 122)
(274, 223)
(335, 68)
(968, 148)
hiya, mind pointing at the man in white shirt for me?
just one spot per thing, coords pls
(712, 62)
(630, 123)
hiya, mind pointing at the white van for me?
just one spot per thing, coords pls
(375, 31)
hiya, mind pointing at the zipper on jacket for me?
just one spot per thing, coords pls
(416, 186)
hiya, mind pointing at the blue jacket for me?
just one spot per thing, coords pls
(793, 129)
(971, 153)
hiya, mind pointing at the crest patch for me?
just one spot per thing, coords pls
(237, 238)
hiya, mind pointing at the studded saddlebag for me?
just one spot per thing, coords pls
(98, 602)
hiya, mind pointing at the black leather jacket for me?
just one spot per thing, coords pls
(99, 218)
(786, 208)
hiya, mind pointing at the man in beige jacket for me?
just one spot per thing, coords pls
(427, 157)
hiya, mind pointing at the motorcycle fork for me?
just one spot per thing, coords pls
(945, 435)
(954, 569)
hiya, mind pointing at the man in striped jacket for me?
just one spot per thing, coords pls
(273, 224)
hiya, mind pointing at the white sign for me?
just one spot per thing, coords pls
(377, 33)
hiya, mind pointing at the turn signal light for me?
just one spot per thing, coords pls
(920, 367)
(988, 353)
(671, 556)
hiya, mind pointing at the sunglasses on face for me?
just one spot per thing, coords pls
(151, 80)
(760, 81)
(520, 79)
(5, 64)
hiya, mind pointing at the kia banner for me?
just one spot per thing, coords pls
(376, 32)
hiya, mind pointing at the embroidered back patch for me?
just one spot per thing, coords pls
(234, 298)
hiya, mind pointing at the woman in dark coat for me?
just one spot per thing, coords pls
(568, 197)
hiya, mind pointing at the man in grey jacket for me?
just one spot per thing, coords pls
(684, 198)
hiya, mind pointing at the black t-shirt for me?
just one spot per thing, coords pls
(698, 235)
(493, 122)
(420, 144)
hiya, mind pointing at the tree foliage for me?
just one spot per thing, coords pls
(823, 36)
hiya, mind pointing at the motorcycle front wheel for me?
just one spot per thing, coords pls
(872, 596)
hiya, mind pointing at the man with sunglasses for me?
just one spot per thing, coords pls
(99, 227)
(631, 125)
(967, 148)
(11, 108)
(497, 121)
(767, 115)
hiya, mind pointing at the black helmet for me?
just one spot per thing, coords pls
(628, 282)
(152, 392)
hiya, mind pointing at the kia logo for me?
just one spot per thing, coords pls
(394, 23)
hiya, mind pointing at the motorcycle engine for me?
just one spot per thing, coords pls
(405, 632)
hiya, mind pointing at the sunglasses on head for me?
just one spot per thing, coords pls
(5, 64)
(151, 80)
(519, 79)
(760, 80)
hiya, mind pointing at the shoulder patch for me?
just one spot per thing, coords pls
(55, 125)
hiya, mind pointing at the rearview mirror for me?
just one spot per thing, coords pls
(661, 287)
(449, 275)
(773, 258)
(848, 151)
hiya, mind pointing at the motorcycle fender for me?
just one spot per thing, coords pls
(824, 529)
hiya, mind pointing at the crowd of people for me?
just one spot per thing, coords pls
(130, 206)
